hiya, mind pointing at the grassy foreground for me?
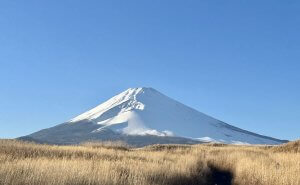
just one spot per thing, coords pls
(114, 164)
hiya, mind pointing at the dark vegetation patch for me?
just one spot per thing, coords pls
(201, 174)
(220, 176)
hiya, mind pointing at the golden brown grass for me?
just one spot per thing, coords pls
(288, 147)
(116, 164)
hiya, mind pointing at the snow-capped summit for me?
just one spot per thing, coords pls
(125, 108)
(145, 112)
(128, 97)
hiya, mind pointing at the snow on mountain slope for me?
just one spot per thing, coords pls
(145, 111)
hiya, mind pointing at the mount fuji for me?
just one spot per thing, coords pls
(143, 116)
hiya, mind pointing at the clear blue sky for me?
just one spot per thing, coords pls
(238, 61)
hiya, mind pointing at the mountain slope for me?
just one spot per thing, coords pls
(146, 114)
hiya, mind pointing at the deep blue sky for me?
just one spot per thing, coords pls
(238, 61)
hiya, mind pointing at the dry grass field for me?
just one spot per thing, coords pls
(117, 164)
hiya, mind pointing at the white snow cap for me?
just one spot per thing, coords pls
(128, 95)
(145, 111)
